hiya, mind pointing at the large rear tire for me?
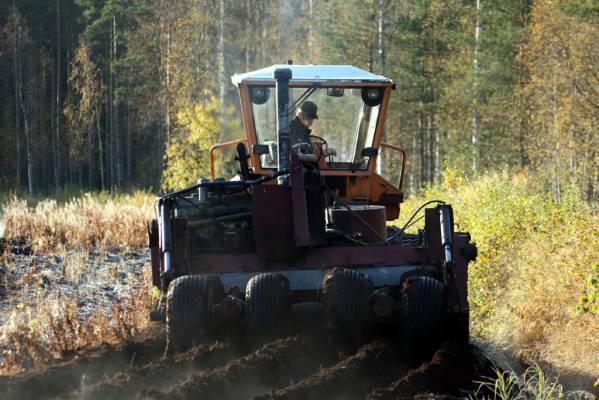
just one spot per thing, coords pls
(421, 311)
(345, 298)
(188, 303)
(267, 300)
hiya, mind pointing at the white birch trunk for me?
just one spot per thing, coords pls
(27, 137)
(221, 68)
(248, 33)
(311, 55)
(380, 166)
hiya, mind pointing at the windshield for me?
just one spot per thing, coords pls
(345, 122)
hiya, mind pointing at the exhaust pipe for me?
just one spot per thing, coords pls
(282, 76)
(446, 221)
(166, 236)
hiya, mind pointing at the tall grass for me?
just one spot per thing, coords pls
(92, 221)
(535, 256)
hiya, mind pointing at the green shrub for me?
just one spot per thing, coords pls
(534, 263)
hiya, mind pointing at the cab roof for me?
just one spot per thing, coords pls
(312, 73)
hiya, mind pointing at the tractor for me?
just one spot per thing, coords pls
(302, 229)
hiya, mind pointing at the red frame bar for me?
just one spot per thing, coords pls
(403, 160)
(319, 257)
(222, 146)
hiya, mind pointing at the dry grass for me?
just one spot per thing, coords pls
(46, 325)
(52, 326)
(88, 222)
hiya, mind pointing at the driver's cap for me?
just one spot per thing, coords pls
(309, 109)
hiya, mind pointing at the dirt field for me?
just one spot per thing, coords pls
(304, 366)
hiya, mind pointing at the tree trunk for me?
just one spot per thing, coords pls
(221, 68)
(381, 35)
(264, 33)
(557, 147)
(28, 145)
(110, 106)
(165, 64)
(412, 168)
(248, 33)
(477, 94)
(115, 120)
(381, 43)
(129, 148)
(434, 152)
(100, 152)
(311, 54)
(91, 156)
(422, 134)
(18, 84)
(57, 135)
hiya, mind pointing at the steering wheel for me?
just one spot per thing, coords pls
(317, 140)
(302, 147)
(320, 144)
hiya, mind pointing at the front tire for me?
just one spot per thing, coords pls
(345, 297)
(267, 299)
(188, 304)
(421, 311)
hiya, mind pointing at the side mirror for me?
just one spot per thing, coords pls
(259, 94)
(260, 149)
(372, 96)
(335, 92)
(369, 152)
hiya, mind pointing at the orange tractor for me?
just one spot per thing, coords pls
(302, 229)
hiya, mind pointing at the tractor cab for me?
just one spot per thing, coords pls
(345, 139)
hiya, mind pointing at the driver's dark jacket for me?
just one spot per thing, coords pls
(298, 132)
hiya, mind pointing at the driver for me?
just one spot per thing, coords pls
(299, 127)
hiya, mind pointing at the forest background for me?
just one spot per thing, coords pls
(96, 91)
(496, 105)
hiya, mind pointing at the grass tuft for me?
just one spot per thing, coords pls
(532, 384)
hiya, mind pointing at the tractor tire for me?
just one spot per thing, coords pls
(345, 297)
(267, 301)
(188, 303)
(421, 311)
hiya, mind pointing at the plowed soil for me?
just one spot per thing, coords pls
(304, 366)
